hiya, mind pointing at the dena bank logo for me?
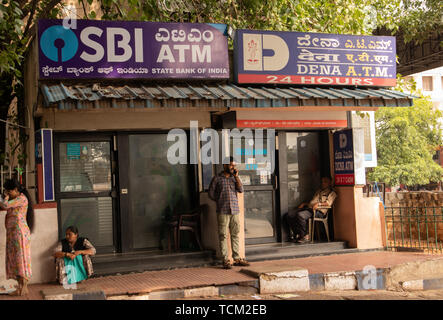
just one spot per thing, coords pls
(343, 141)
(264, 52)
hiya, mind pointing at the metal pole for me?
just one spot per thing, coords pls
(426, 222)
(418, 225)
(401, 228)
(26, 176)
(393, 224)
(435, 229)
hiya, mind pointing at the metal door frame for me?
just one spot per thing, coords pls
(88, 137)
(126, 228)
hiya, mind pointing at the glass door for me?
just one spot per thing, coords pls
(259, 184)
(303, 166)
(85, 188)
(151, 190)
(303, 160)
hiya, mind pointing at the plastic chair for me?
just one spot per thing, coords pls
(314, 219)
(188, 221)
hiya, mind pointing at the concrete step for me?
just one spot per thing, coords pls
(126, 263)
(293, 250)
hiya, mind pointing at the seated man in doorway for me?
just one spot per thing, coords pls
(298, 220)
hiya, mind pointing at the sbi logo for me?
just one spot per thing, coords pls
(61, 44)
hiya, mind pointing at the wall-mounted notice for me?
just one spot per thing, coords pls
(349, 166)
(365, 120)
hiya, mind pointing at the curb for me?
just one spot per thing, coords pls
(425, 284)
(278, 280)
(242, 288)
(88, 295)
(370, 279)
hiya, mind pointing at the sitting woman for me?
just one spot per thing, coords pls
(72, 258)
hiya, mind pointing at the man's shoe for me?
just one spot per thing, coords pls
(304, 240)
(227, 264)
(241, 262)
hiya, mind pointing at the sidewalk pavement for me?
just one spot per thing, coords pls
(392, 271)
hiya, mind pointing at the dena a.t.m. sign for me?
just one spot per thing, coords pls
(314, 58)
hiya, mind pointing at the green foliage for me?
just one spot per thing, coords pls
(407, 139)
(11, 30)
(340, 16)
(416, 18)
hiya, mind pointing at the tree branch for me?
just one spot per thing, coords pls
(84, 9)
(28, 24)
(44, 14)
(118, 9)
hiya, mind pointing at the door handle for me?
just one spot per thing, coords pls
(124, 191)
(274, 182)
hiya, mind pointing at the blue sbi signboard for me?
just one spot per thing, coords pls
(132, 49)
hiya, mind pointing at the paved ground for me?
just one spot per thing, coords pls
(146, 282)
(337, 295)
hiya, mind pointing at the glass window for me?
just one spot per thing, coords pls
(255, 165)
(258, 214)
(207, 174)
(85, 166)
(427, 83)
(92, 217)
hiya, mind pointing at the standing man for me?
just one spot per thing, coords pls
(223, 190)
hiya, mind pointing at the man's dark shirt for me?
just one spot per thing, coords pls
(223, 191)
